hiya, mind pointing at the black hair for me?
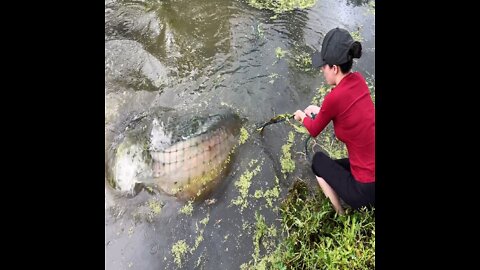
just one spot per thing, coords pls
(354, 52)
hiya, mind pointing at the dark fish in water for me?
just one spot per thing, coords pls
(181, 154)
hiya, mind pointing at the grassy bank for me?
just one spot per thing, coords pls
(314, 237)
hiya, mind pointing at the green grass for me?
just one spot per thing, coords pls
(315, 237)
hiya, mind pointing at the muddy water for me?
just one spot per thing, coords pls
(205, 56)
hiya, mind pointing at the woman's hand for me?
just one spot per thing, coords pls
(312, 109)
(299, 115)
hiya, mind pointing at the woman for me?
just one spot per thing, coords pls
(352, 111)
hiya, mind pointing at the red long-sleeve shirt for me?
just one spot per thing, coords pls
(351, 108)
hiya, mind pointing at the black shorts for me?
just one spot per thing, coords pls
(337, 174)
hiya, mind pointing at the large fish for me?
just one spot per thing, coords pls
(182, 154)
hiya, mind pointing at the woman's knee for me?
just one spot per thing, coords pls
(318, 162)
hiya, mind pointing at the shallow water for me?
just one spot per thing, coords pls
(204, 56)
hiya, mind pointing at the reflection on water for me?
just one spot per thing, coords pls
(182, 34)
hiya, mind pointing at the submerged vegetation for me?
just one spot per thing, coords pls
(299, 57)
(199, 238)
(243, 135)
(243, 185)
(371, 7)
(187, 209)
(155, 206)
(280, 6)
(269, 194)
(303, 61)
(279, 53)
(179, 249)
(288, 165)
(356, 35)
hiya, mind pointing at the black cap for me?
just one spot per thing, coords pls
(335, 47)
